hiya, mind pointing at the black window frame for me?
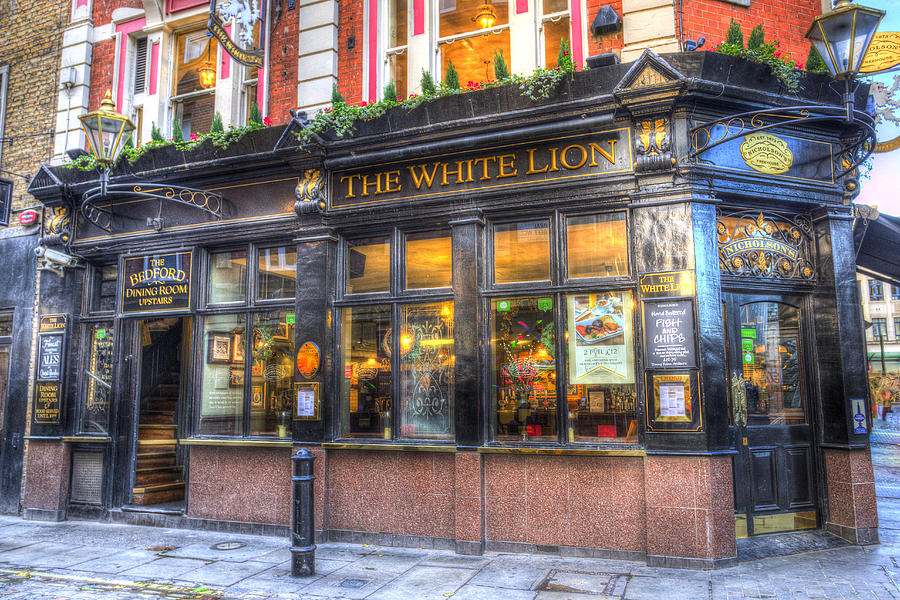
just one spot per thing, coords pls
(558, 287)
(396, 297)
(245, 311)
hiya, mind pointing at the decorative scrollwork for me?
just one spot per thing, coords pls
(652, 143)
(310, 193)
(57, 227)
(773, 246)
(102, 216)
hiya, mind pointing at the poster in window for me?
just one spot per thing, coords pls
(601, 332)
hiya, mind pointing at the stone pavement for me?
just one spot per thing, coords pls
(93, 561)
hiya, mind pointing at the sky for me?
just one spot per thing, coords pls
(882, 188)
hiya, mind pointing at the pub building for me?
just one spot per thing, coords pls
(592, 325)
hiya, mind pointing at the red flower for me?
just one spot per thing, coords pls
(194, 137)
(267, 121)
(777, 54)
(327, 109)
(364, 103)
(399, 99)
(565, 52)
(798, 64)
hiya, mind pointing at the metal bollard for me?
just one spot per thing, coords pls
(303, 547)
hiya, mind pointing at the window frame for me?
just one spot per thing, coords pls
(4, 84)
(558, 287)
(895, 293)
(541, 21)
(244, 311)
(876, 296)
(879, 328)
(175, 102)
(6, 342)
(395, 298)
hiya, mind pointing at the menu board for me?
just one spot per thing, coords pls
(50, 357)
(47, 402)
(669, 334)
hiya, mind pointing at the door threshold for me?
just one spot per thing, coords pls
(786, 543)
(168, 508)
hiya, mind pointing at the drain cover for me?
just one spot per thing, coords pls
(227, 546)
(353, 583)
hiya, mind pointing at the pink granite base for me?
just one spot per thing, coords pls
(852, 512)
(47, 465)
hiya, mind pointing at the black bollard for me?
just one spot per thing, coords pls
(303, 547)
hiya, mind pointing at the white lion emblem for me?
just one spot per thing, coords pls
(243, 12)
(885, 103)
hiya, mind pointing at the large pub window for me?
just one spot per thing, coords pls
(396, 339)
(247, 353)
(562, 331)
(98, 334)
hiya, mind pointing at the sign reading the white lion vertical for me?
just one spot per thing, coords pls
(246, 14)
(157, 283)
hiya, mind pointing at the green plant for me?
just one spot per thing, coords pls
(451, 80)
(177, 133)
(427, 84)
(390, 92)
(255, 115)
(564, 56)
(734, 36)
(216, 125)
(756, 39)
(501, 71)
(155, 134)
(814, 62)
(336, 97)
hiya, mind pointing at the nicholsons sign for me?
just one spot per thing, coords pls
(157, 283)
(545, 161)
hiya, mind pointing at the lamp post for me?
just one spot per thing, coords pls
(841, 38)
(107, 133)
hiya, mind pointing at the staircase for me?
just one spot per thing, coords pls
(158, 478)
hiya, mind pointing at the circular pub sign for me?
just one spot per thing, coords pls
(308, 360)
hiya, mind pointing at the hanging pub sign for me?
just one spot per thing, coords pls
(557, 159)
(156, 283)
(883, 52)
(5, 200)
(48, 388)
(246, 14)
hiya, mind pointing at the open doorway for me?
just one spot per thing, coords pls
(163, 376)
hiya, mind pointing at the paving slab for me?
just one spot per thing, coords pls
(228, 550)
(163, 568)
(219, 574)
(610, 584)
(424, 583)
(349, 582)
(653, 588)
(447, 559)
(117, 562)
(390, 563)
(523, 578)
(480, 592)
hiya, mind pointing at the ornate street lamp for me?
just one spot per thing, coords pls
(843, 35)
(107, 131)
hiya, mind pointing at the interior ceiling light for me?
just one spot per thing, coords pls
(485, 16)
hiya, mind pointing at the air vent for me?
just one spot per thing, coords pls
(140, 65)
(87, 477)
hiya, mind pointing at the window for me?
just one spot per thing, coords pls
(876, 291)
(193, 95)
(563, 364)
(249, 83)
(396, 45)
(102, 295)
(4, 80)
(97, 378)
(397, 350)
(247, 376)
(897, 328)
(555, 25)
(6, 326)
(470, 32)
(895, 292)
(879, 328)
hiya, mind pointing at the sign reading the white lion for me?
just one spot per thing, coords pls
(244, 13)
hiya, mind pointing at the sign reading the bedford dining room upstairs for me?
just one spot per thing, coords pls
(157, 283)
(550, 160)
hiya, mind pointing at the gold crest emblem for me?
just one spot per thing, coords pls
(767, 153)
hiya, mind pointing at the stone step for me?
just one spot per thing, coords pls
(158, 475)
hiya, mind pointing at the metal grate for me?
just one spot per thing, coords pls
(87, 477)
(140, 65)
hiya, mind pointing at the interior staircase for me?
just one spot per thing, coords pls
(158, 478)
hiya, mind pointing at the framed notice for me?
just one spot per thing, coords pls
(674, 401)
(51, 357)
(307, 401)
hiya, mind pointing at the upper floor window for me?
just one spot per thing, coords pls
(470, 32)
(879, 328)
(193, 93)
(555, 29)
(876, 291)
(895, 292)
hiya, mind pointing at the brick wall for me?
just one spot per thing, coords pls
(612, 42)
(30, 45)
(782, 20)
(283, 67)
(350, 62)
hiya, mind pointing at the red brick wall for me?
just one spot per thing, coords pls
(350, 62)
(606, 43)
(283, 67)
(783, 20)
(101, 72)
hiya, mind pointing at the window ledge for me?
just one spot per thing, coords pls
(97, 439)
(400, 447)
(564, 451)
(282, 443)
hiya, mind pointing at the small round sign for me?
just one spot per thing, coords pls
(27, 217)
(308, 360)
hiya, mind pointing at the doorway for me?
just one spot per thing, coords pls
(163, 375)
(775, 467)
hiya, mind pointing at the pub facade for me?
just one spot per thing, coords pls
(597, 325)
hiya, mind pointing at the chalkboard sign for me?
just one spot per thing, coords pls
(669, 334)
(50, 357)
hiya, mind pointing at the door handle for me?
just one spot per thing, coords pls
(738, 399)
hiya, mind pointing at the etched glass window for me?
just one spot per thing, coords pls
(228, 276)
(98, 379)
(366, 381)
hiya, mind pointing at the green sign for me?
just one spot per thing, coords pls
(101, 334)
(502, 305)
(747, 345)
(748, 358)
(290, 318)
(545, 303)
(748, 333)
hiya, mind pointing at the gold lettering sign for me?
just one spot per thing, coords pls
(766, 153)
(750, 244)
(561, 158)
(157, 283)
(883, 52)
(53, 322)
(667, 285)
(47, 402)
(308, 360)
